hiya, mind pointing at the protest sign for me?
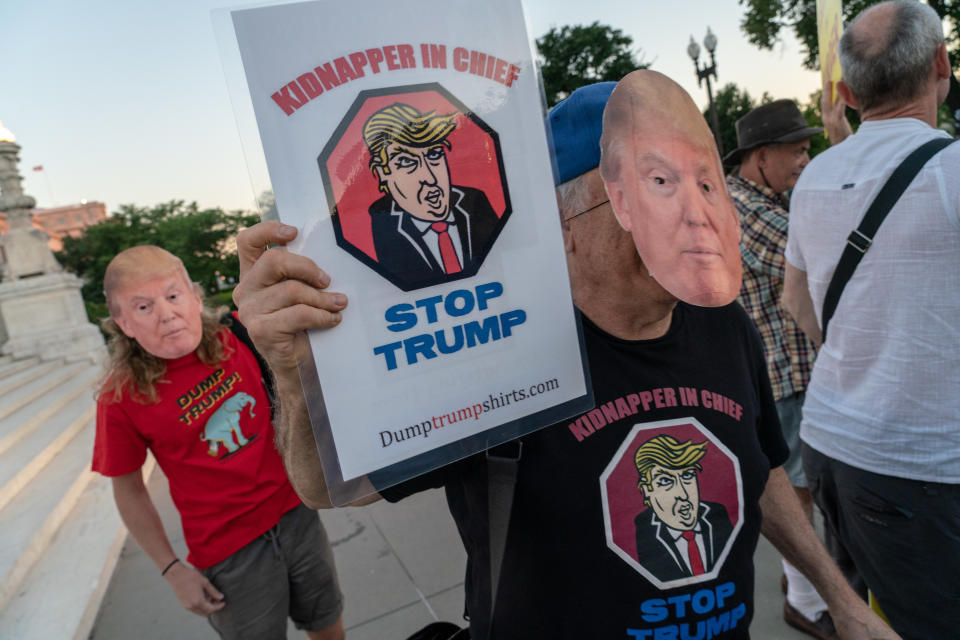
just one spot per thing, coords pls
(829, 30)
(409, 149)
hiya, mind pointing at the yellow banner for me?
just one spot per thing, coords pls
(829, 28)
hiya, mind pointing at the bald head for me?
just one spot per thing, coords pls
(647, 102)
(873, 29)
(135, 266)
(888, 51)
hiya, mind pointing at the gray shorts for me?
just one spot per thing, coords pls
(790, 412)
(288, 571)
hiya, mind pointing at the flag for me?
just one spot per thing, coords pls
(39, 167)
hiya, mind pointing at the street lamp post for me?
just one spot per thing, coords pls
(704, 73)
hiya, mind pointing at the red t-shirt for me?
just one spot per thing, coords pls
(212, 436)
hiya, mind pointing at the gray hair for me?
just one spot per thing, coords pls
(575, 194)
(891, 68)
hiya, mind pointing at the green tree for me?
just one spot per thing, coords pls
(202, 238)
(267, 204)
(574, 56)
(764, 19)
(732, 103)
(812, 114)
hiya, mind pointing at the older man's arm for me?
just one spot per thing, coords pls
(785, 525)
(280, 296)
(833, 109)
(796, 300)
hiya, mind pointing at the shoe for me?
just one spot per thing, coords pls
(821, 628)
(783, 583)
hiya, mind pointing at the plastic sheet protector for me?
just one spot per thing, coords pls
(407, 144)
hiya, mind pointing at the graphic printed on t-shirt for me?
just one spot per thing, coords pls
(673, 502)
(222, 430)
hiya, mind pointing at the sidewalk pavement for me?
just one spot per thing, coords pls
(401, 567)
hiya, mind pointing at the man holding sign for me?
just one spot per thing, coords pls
(572, 567)
(880, 420)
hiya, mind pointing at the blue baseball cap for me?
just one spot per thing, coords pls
(574, 127)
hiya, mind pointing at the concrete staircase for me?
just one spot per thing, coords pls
(60, 535)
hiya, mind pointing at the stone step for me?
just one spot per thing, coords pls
(64, 400)
(62, 535)
(26, 375)
(17, 408)
(25, 461)
(9, 366)
(60, 579)
(58, 595)
(32, 517)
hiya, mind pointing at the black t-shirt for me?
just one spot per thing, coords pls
(586, 557)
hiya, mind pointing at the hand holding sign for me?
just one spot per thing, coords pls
(395, 156)
(829, 28)
(280, 295)
(835, 121)
(832, 106)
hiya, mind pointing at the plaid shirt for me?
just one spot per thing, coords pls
(763, 223)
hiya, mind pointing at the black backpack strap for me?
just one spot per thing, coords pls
(229, 321)
(861, 238)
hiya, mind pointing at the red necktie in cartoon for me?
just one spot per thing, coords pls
(450, 262)
(693, 552)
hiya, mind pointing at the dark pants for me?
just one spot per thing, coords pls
(904, 538)
(288, 571)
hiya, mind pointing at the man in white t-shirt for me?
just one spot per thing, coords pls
(881, 421)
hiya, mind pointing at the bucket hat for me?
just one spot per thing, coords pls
(775, 122)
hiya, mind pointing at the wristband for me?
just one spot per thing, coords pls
(167, 568)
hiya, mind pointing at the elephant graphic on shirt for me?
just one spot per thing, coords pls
(224, 424)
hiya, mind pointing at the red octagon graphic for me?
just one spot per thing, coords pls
(641, 534)
(415, 184)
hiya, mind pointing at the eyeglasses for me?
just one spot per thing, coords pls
(596, 206)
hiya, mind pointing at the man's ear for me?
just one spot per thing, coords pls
(379, 174)
(941, 62)
(619, 203)
(568, 243)
(123, 324)
(846, 95)
(645, 489)
(760, 156)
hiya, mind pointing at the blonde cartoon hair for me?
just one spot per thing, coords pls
(406, 125)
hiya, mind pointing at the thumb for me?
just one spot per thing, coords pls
(211, 590)
(253, 241)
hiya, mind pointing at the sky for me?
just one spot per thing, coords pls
(125, 102)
